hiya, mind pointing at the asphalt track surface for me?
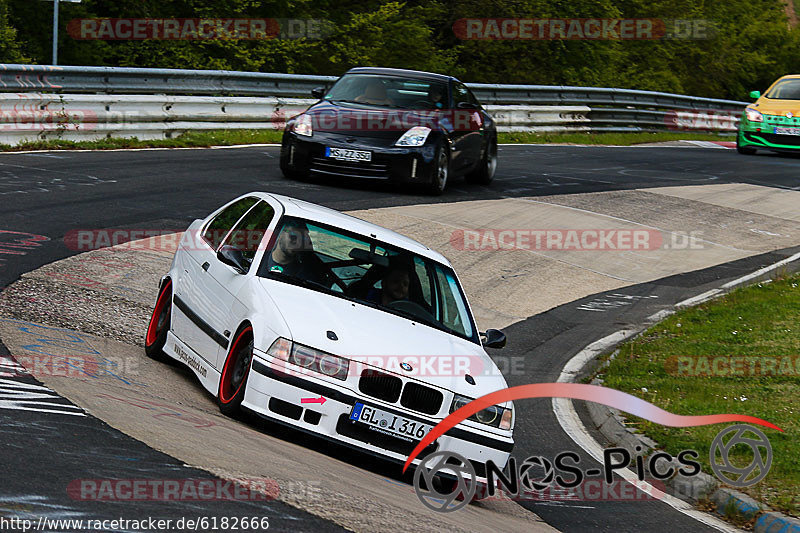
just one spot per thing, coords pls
(52, 193)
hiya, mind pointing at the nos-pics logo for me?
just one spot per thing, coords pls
(445, 481)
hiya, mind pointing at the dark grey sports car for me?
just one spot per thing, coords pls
(391, 124)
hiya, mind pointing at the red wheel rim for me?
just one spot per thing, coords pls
(237, 361)
(160, 315)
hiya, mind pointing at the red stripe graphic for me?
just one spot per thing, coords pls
(577, 391)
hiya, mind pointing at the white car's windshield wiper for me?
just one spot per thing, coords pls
(303, 282)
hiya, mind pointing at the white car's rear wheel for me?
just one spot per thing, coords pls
(156, 335)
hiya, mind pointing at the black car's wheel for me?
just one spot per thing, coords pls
(484, 172)
(235, 372)
(286, 167)
(440, 172)
(289, 173)
(156, 335)
(744, 150)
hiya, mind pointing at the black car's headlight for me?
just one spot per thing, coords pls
(315, 360)
(415, 136)
(494, 416)
(302, 125)
(753, 115)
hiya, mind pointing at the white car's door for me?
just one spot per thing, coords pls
(197, 295)
(225, 281)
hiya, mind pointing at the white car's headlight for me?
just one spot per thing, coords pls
(494, 416)
(415, 136)
(753, 115)
(302, 125)
(315, 360)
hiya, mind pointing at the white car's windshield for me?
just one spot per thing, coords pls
(389, 91)
(351, 266)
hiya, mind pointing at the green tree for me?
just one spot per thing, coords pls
(751, 44)
(10, 49)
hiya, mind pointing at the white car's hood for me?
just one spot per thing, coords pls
(384, 340)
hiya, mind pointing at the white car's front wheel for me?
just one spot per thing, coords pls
(234, 373)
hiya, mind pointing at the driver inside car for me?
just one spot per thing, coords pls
(293, 255)
(436, 95)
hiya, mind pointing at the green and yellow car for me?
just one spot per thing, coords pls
(772, 122)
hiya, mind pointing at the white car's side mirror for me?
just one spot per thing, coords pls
(494, 338)
(232, 256)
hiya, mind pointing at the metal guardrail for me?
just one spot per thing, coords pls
(566, 95)
(120, 80)
(45, 102)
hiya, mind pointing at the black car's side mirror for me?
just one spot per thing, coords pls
(467, 105)
(318, 92)
(494, 338)
(232, 256)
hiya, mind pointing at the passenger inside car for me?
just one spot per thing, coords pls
(374, 93)
(394, 286)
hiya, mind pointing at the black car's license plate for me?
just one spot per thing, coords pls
(386, 422)
(346, 154)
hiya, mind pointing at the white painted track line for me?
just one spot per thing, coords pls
(571, 423)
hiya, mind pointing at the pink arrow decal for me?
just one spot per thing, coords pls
(578, 391)
(319, 400)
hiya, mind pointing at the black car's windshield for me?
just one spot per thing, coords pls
(347, 265)
(785, 90)
(389, 91)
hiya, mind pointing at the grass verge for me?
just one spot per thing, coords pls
(190, 139)
(672, 365)
(195, 139)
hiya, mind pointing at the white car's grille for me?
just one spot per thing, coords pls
(379, 385)
(388, 388)
(421, 398)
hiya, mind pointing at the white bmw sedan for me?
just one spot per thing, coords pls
(332, 325)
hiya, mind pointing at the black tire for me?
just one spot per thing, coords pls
(233, 381)
(484, 172)
(156, 336)
(288, 172)
(286, 169)
(440, 172)
(743, 149)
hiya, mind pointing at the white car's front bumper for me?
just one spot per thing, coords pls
(276, 394)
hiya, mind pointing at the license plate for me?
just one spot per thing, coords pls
(389, 423)
(345, 154)
(787, 131)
